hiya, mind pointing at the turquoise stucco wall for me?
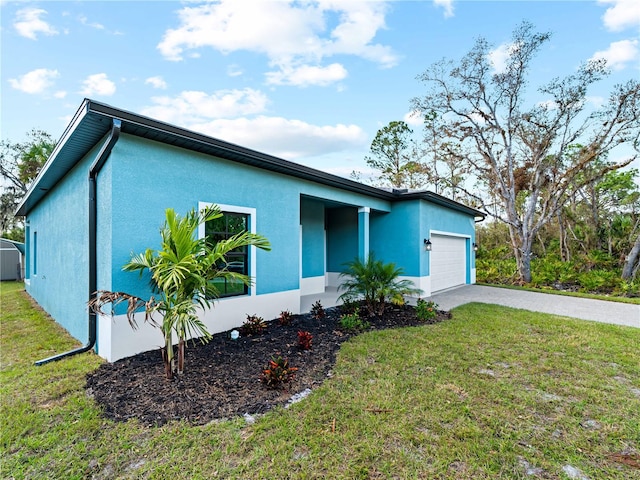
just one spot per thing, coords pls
(313, 237)
(395, 236)
(61, 223)
(342, 237)
(180, 179)
(441, 219)
(177, 178)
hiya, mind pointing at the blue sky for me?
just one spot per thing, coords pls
(309, 81)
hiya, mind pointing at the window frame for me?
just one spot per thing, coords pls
(251, 227)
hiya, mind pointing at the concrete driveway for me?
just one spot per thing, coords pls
(583, 308)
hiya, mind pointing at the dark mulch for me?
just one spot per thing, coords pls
(222, 377)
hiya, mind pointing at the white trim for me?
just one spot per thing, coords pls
(364, 209)
(448, 234)
(312, 285)
(252, 229)
(472, 280)
(116, 339)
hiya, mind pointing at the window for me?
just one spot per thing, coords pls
(237, 260)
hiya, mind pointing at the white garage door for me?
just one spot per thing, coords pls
(448, 262)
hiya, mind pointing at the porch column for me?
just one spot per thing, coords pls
(363, 232)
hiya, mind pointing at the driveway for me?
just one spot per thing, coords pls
(583, 308)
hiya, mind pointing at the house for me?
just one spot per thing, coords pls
(102, 195)
(11, 260)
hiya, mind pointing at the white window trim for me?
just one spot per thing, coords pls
(252, 228)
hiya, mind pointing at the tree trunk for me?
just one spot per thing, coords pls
(167, 355)
(631, 260)
(524, 267)
(180, 356)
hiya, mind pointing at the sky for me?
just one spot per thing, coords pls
(307, 81)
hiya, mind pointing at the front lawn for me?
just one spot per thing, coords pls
(492, 393)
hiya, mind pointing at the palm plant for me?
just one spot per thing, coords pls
(376, 283)
(182, 272)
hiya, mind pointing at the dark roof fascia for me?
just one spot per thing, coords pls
(230, 151)
(443, 201)
(145, 127)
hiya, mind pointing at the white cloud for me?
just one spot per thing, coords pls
(548, 105)
(306, 75)
(237, 116)
(156, 82)
(595, 100)
(98, 84)
(283, 137)
(234, 70)
(85, 21)
(60, 94)
(619, 54)
(28, 23)
(413, 118)
(447, 5)
(198, 107)
(621, 15)
(35, 81)
(291, 35)
(499, 56)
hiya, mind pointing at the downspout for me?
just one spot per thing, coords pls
(95, 168)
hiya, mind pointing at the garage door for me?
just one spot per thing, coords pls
(448, 262)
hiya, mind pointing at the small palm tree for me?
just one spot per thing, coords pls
(376, 283)
(182, 271)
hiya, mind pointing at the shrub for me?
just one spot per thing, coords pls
(375, 282)
(253, 325)
(599, 281)
(349, 305)
(278, 372)
(351, 322)
(285, 317)
(304, 340)
(426, 310)
(317, 310)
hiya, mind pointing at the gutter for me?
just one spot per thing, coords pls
(95, 168)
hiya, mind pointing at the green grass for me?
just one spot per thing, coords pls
(478, 397)
(608, 298)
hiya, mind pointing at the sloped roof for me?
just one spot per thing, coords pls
(18, 245)
(93, 121)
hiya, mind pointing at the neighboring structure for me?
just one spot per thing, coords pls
(103, 193)
(11, 260)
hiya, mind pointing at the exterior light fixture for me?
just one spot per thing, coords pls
(475, 247)
(427, 244)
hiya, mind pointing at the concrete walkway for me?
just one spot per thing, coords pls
(583, 308)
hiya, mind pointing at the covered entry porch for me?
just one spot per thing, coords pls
(331, 234)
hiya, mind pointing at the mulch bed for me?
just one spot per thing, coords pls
(222, 378)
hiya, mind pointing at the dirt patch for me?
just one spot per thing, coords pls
(222, 377)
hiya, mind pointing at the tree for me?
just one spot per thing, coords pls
(520, 152)
(183, 272)
(20, 163)
(397, 157)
